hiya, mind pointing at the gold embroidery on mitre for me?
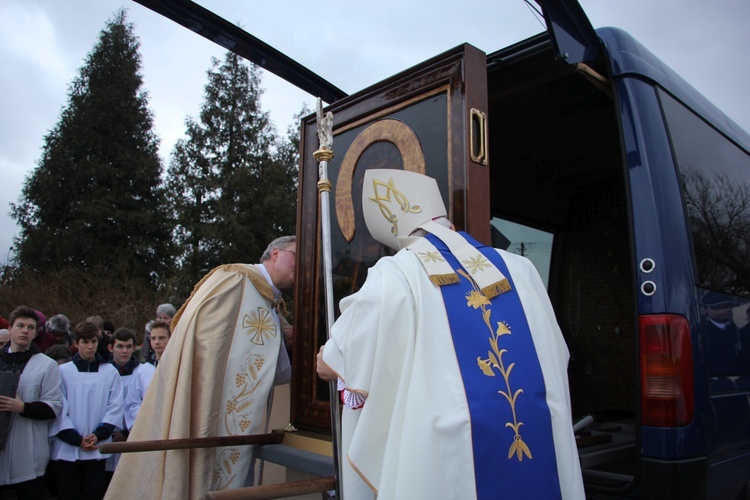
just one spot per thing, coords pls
(260, 325)
(476, 299)
(398, 197)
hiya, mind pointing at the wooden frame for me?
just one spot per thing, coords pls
(424, 119)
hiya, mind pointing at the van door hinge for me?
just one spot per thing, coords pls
(594, 77)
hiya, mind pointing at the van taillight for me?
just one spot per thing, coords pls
(667, 396)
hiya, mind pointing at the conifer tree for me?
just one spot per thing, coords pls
(94, 201)
(230, 192)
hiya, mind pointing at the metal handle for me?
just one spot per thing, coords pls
(478, 136)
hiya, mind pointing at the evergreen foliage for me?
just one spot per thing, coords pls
(94, 201)
(231, 187)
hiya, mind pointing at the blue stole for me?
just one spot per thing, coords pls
(514, 453)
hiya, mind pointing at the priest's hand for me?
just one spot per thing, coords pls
(324, 371)
(288, 335)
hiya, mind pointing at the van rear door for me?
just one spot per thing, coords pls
(573, 38)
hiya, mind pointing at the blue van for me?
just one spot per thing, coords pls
(629, 191)
(632, 193)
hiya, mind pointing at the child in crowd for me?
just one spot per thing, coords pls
(93, 393)
(159, 339)
(164, 312)
(122, 347)
(37, 402)
(160, 335)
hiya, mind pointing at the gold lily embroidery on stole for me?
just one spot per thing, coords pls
(494, 361)
(260, 325)
(238, 417)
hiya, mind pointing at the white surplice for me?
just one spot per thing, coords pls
(127, 383)
(26, 450)
(91, 398)
(136, 392)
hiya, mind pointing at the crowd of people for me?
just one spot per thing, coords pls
(64, 390)
(68, 389)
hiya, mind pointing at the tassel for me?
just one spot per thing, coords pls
(496, 289)
(444, 279)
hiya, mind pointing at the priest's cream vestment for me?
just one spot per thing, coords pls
(225, 354)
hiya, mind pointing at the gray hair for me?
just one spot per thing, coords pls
(281, 243)
(58, 323)
(167, 309)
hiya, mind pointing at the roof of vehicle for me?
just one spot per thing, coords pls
(629, 58)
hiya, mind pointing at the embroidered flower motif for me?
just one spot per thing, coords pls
(476, 300)
(494, 361)
(485, 366)
(502, 328)
(431, 256)
(260, 325)
(477, 263)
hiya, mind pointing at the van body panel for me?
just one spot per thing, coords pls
(661, 235)
(662, 479)
(728, 479)
(627, 56)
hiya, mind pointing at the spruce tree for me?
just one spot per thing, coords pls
(94, 201)
(230, 191)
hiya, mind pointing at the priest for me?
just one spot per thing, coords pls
(226, 352)
(452, 365)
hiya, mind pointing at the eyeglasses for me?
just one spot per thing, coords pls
(293, 252)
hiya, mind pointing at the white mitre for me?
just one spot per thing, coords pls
(395, 203)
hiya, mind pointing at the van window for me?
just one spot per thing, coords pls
(534, 244)
(715, 175)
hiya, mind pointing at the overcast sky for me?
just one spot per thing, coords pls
(43, 43)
